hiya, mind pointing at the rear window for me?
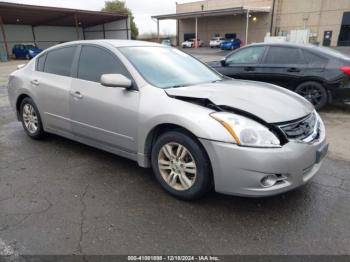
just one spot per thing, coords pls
(283, 55)
(59, 61)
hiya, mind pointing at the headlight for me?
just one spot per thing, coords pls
(245, 131)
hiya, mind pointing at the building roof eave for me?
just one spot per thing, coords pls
(215, 12)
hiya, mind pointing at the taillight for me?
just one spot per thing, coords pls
(345, 69)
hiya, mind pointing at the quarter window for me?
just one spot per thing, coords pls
(60, 61)
(40, 63)
(250, 55)
(95, 62)
(313, 59)
(283, 55)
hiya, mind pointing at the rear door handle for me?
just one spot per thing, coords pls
(249, 69)
(293, 69)
(76, 94)
(34, 82)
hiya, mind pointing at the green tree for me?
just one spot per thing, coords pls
(119, 6)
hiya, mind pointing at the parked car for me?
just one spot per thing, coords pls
(216, 42)
(321, 75)
(230, 44)
(206, 131)
(166, 42)
(27, 51)
(191, 43)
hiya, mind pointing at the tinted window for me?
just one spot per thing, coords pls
(40, 62)
(313, 59)
(283, 55)
(95, 62)
(250, 55)
(60, 61)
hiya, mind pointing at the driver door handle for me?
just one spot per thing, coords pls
(293, 69)
(76, 94)
(34, 82)
(249, 69)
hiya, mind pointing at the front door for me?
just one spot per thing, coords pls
(244, 63)
(102, 115)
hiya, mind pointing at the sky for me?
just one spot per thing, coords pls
(142, 10)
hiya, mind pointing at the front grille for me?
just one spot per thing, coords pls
(305, 129)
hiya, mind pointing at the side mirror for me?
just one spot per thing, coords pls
(115, 80)
(223, 61)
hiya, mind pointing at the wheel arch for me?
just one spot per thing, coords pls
(18, 103)
(160, 129)
(156, 132)
(318, 80)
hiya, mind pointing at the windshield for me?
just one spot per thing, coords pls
(29, 46)
(166, 67)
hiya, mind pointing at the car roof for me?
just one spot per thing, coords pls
(319, 49)
(113, 42)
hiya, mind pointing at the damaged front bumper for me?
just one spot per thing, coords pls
(241, 170)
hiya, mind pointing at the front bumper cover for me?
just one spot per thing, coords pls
(238, 170)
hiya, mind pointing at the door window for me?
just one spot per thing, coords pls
(250, 55)
(283, 55)
(59, 61)
(95, 62)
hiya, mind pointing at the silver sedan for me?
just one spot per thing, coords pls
(156, 105)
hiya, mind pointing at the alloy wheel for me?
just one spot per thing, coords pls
(311, 93)
(177, 166)
(30, 119)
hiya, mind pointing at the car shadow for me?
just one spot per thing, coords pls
(293, 199)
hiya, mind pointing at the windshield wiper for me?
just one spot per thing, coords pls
(176, 86)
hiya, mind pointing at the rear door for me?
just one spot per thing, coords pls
(244, 63)
(283, 66)
(52, 80)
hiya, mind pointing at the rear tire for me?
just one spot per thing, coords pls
(31, 120)
(314, 92)
(181, 165)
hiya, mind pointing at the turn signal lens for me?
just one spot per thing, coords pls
(345, 69)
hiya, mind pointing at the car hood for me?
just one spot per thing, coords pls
(36, 50)
(271, 103)
(214, 64)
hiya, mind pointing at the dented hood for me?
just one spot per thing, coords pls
(271, 103)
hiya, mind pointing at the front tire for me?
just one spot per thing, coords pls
(31, 120)
(181, 165)
(314, 92)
